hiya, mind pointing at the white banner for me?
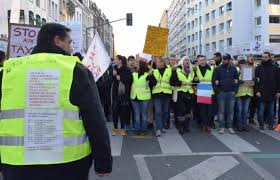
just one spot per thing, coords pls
(22, 39)
(3, 45)
(76, 34)
(97, 59)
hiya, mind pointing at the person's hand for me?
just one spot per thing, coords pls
(236, 81)
(194, 68)
(258, 94)
(118, 77)
(217, 82)
(114, 72)
(196, 79)
(102, 174)
(278, 95)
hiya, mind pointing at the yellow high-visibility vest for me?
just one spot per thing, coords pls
(163, 82)
(39, 125)
(186, 86)
(140, 88)
(207, 78)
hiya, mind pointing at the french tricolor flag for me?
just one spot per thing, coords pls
(204, 93)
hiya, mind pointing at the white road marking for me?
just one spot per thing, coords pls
(209, 169)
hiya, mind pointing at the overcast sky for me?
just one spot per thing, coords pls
(130, 40)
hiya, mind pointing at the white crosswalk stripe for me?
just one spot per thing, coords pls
(172, 142)
(235, 143)
(116, 141)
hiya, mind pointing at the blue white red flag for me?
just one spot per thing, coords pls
(204, 93)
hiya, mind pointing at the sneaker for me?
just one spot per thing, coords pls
(158, 133)
(262, 128)
(222, 130)
(114, 132)
(231, 131)
(123, 132)
(246, 129)
(270, 128)
(163, 131)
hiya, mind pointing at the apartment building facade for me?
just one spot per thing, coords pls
(232, 26)
(39, 12)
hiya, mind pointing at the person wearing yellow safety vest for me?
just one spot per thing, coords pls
(244, 94)
(140, 96)
(181, 80)
(161, 93)
(204, 74)
(52, 122)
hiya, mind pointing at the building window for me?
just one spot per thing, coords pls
(214, 30)
(258, 20)
(21, 17)
(274, 19)
(277, 2)
(258, 3)
(38, 3)
(221, 27)
(229, 24)
(207, 33)
(196, 22)
(206, 2)
(49, 7)
(31, 18)
(52, 14)
(229, 6)
(207, 17)
(274, 38)
(222, 10)
(196, 36)
(188, 2)
(192, 24)
(189, 39)
(214, 47)
(200, 20)
(192, 37)
(44, 21)
(221, 44)
(38, 20)
(207, 47)
(213, 14)
(258, 38)
(56, 12)
(229, 42)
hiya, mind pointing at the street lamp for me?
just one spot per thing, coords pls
(129, 22)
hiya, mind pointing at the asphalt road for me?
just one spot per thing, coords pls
(196, 156)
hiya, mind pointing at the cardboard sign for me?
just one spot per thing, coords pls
(3, 45)
(22, 39)
(156, 41)
(76, 34)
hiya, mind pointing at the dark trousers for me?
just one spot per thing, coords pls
(279, 111)
(77, 170)
(253, 107)
(122, 113)
(205, 113)
(183, 108)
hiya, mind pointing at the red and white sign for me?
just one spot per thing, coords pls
(22, 39)
(97, 59)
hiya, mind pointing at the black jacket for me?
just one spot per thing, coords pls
(84, 95)
(126, 78)
(269, 80)
(226, 74)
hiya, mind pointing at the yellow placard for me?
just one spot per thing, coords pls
(156, 41)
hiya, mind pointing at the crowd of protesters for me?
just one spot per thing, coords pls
(142, 95)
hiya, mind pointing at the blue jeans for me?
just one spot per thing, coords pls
(140, 112)
(242, 111)
(161, 111)
(225, 107)
(270, 108)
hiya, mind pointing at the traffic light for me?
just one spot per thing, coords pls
(129, 19)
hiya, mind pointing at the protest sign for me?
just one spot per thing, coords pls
(3, 45)
(156, 41)
(97, 59)
(22, 39)
(76, 34)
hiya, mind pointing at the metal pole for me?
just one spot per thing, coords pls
(93, 27)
